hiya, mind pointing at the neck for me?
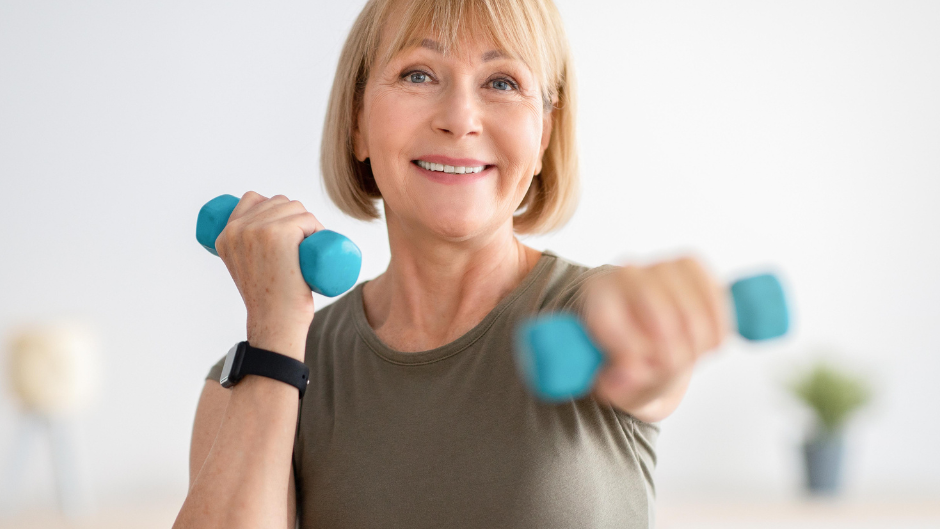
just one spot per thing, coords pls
(435, 290)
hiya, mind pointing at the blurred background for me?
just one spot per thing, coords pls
(799, 136)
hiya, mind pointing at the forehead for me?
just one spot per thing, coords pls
(462, 32)
(434, 45)
(486, 50)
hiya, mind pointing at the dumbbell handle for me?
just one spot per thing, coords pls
(559, 361)
(329, 262)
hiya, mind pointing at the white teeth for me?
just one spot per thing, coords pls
(449, 168)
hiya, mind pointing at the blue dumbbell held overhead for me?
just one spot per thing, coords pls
(559, 361)
(329, 262)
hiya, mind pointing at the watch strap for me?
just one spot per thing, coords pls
(275, 365)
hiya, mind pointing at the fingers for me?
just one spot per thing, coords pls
(306, 221)
(258, 207)
(258, 217)
(650, 296)
(690, 304)
(259, 210)
(630, 373)
(617, 332)
(715, 299)
(248, 201)
(653, 323)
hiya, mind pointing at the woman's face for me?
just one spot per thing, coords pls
(478, 112)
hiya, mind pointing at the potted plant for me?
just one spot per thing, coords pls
(833, 395)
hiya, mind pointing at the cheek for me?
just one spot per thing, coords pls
(388, 122)
(517, 135)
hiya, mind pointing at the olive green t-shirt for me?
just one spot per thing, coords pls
(452, 437)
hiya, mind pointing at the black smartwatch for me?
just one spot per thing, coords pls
(243, 359)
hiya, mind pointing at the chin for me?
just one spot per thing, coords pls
(455, 227)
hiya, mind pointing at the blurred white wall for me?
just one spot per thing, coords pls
(799, 135)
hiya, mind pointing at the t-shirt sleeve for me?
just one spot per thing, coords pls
(215, 373)
(643, 437)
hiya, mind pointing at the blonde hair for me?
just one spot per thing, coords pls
(530, 28)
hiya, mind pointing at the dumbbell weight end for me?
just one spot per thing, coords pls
(329, 262)
(212, 220)
(559, 361)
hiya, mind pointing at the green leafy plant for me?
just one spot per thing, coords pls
(831, 393)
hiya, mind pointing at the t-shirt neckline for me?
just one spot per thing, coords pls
(371, 339)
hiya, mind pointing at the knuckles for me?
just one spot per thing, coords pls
(690, 262)
(245, 230)
(668, 361)
(690, 328)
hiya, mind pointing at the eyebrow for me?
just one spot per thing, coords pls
(433, 45)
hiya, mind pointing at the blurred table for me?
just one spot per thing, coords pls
(157, 515)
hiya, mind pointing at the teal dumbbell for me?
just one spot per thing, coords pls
(559, 361)
(329, 262)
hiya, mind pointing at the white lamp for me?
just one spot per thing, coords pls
(54, 371)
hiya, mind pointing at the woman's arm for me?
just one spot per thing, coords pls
(242, 448)
(209, 412)
(244, 476)
(240, 460)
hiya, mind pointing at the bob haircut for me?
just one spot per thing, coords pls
(531, 29)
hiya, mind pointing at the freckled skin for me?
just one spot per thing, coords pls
(454, 252)
(259, 246)
(423, 103)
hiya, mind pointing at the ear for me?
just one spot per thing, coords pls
(546, 137)
(360, 143)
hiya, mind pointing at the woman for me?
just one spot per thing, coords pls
(459, 116)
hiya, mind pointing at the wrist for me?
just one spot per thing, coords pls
(290, 342)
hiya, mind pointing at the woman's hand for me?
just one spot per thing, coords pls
(653, 323)
(259, 246)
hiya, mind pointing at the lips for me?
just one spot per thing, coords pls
(449, 169)
(453, 162)
(451, 176)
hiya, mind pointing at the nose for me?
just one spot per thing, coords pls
(458, 112)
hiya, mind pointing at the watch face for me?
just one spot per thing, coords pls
(229, 378)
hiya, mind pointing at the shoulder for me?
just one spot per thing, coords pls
(563, 284)
(340, 306)
(338, 316)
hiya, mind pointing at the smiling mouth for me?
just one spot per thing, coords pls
(450, 169)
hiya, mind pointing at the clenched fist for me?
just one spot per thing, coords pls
(653, 322)
(259, 246)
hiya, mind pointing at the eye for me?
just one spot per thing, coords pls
(416, 77)
(503, 85)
